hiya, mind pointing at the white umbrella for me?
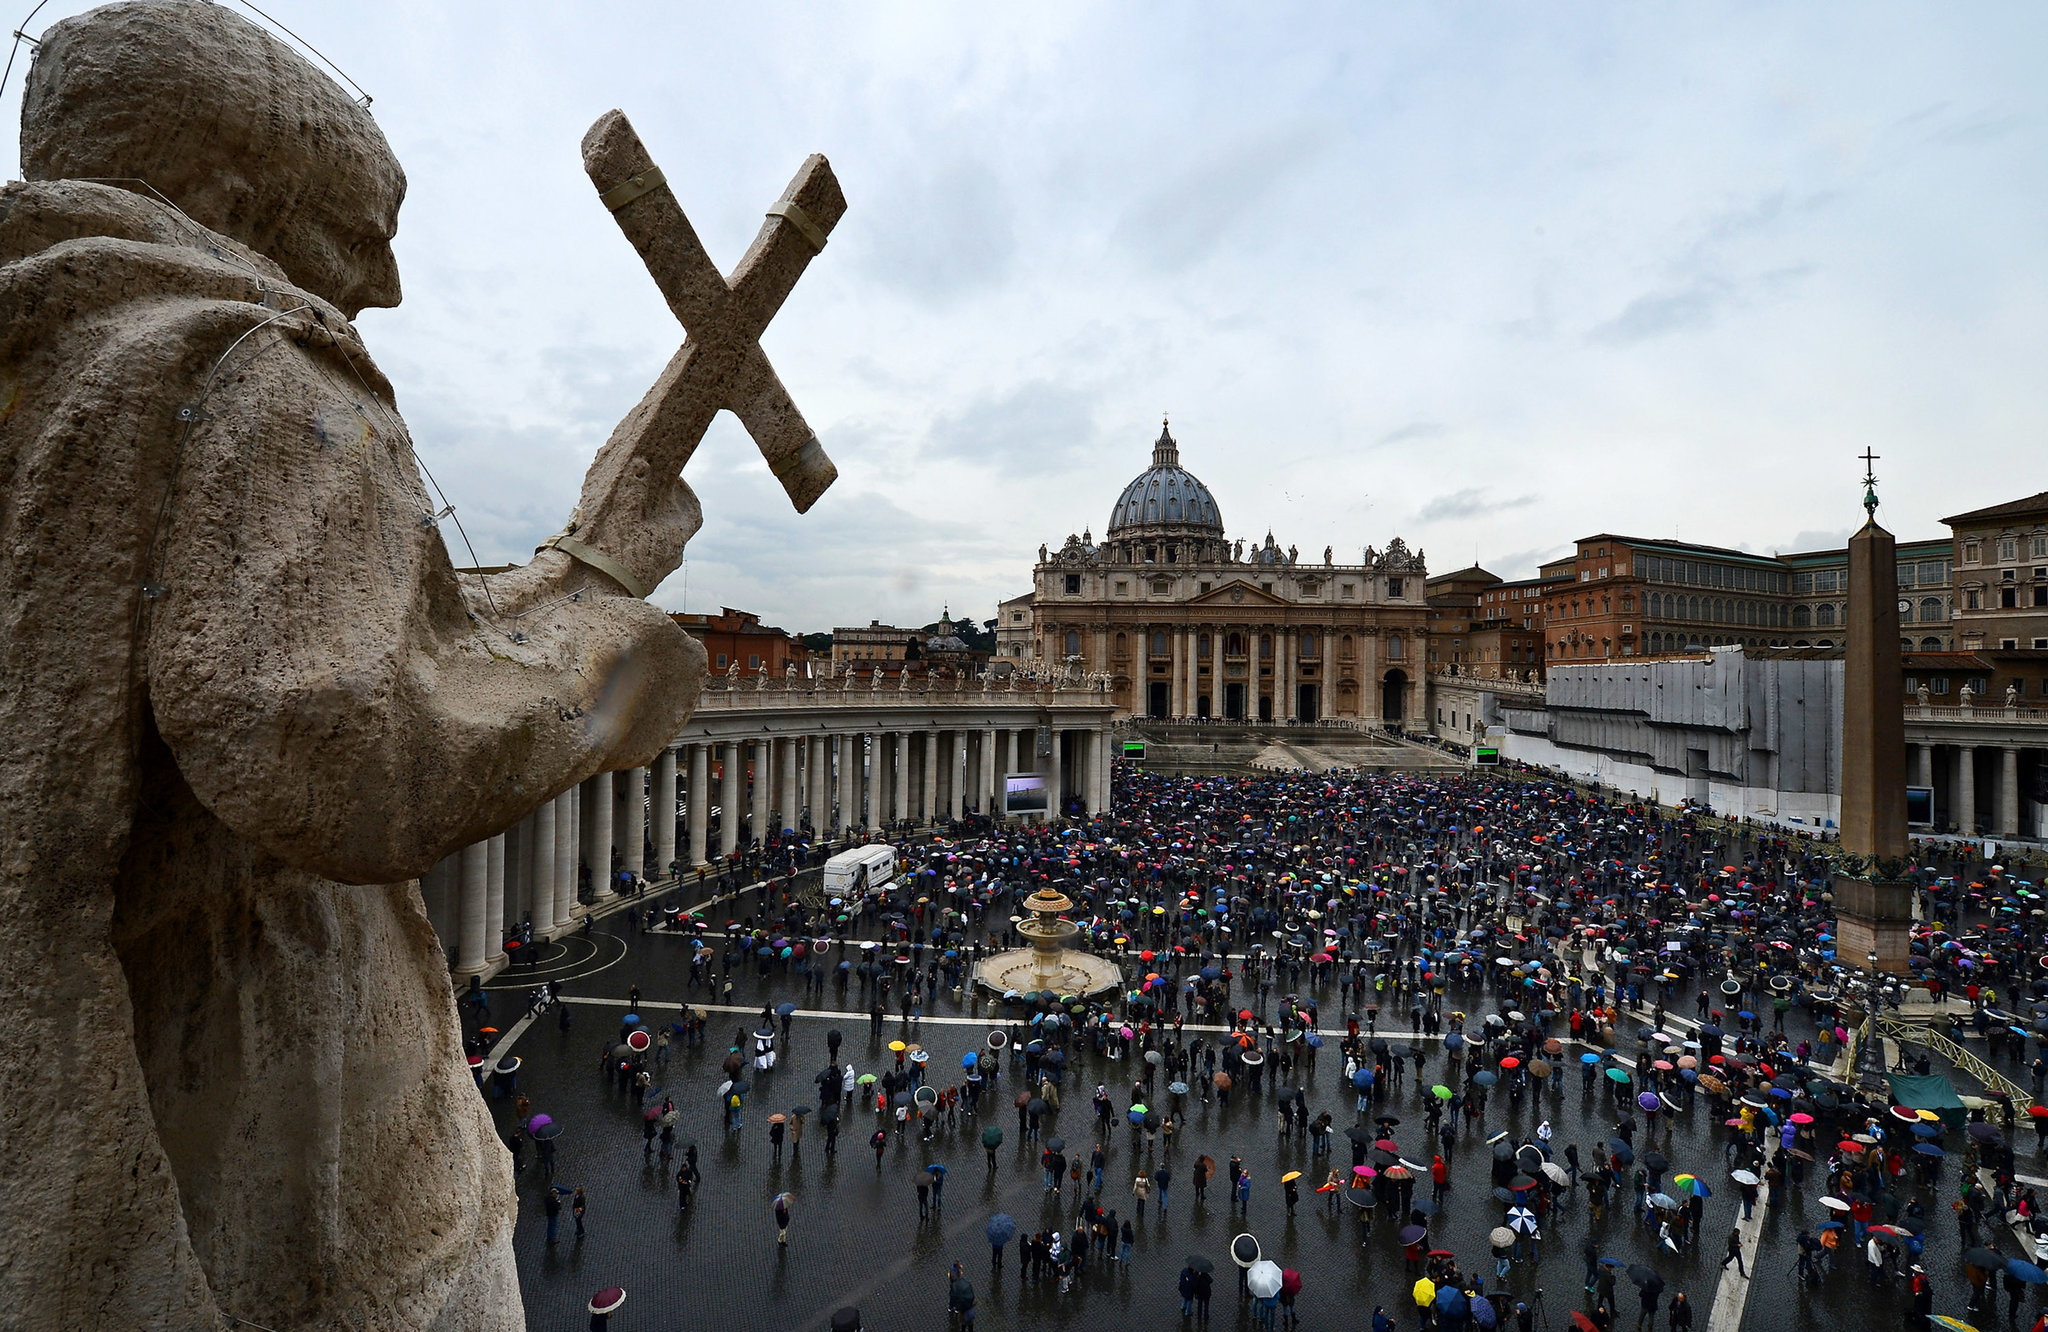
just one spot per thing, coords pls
(1556, 1173)
(1264, 1278)
(1522, 1219)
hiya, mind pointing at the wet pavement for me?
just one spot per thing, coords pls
(856, 1237)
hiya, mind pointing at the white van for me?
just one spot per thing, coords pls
(864, 867)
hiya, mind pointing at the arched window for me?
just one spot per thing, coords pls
(1346, 647)
(1123, 645)
(1233, 646)
(1159, 646)
(1265, 647)
(1394, 647)
(1073, 643)
(1824, 614)
(1930, 610)
(1930, 645)
(1202, 644)
(1308, 645)
(1802, 618)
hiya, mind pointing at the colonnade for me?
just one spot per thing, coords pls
(1976, 786)
(588, 845)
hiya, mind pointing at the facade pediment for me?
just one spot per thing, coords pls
(1237, 592)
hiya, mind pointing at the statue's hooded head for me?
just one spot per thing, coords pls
(232, 126)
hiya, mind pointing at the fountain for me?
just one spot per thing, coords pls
(1048, 964)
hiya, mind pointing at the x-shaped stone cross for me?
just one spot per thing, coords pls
(720, 366)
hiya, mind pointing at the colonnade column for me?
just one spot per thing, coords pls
(568, 828)
(763, 790)
(1055, 781)
(991, 775)
(540, 853)
(928, 776)
(956, 773)
(817, 790)
(1283, 675)
(899, 763)
(1216, 690)
(2009, 792)
(471, 889)
(1923, 766)
(839, 794)
(728, 798)
(662, 809)
(699, 796)
(632, 806)
(494, 899)
(790, 800)
(597, 833)
(1966, 789)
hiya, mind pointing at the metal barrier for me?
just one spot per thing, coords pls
(1919, 1033)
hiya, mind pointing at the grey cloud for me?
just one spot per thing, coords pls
(1831, 540)
(1184, 219)
(1019, 430)
(1658, 314)
(1413, 430)
(1470, 503)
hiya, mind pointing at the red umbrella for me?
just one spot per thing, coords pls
(1290, 1281)
(1510, 1061)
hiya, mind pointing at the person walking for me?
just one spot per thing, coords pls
(1141, 1189)
(1161, 1178)
(1242, 1198)
(782, 1220)
(577, 1205)
(552, 1201)
(1734, 1251)
(1681, 1313)
(880, 1142)
(960, 1299)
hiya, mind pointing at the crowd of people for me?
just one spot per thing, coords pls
(1464, 942)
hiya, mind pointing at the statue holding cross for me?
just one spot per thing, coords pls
(251, 700)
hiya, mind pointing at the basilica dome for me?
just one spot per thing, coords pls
(1166, 495)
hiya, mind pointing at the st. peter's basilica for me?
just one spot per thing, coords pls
(1189, 624)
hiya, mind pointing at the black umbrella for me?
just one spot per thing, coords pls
(1645, 1277)
(1361, 1135)
(829, 1114)
(1244, 1251)
(1055, 1144)
(1200, 1264)
(1423, 1207)
(902, 1099)
(1622, 1151)
(1655, 1162)
(1411, 1234)
(1989, 1259)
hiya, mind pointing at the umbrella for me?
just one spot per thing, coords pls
(1556, 1173)
(1290, 1177)
(1582, 1323)
(1411, 1234)
(2027, 1272)
(608, 1300)
(1749, 1177)
(1483, 1313)
(547, 1132)
(1244, 1251)
(1002, 1228)
(1950, 1324)
(1055, 1144)
(539, 1122)
(1645, 1277)
(784, 1009)
(1522, 1219)
(1501, 1237)
(1618, 1074)
(992, 1136)
(1991, 1260)
(1263, 1278)
(1663, 1200)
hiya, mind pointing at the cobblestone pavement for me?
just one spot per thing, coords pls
(857, 1239)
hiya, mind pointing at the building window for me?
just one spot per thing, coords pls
(1395, 587)
(753, 661)
(1201, 588)
(1938, 685)
(1930, 645)
(721, 661)
(1308, 645)
(1973, 598)
(1346, 647)
(1159, 646)
(1394, 648)
(1073, 643)
(1233, 646)
(1972, 552)
(1073, 585)
(1265, 647)
(1161, 586)
(1824, 614)
(1123, 589)
(1122, 645)
(1802, 617)
(1930, 610)
(2008, 549)
(1348, 591)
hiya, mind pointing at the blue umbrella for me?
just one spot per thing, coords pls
(1362, 1079)
(2026, 1271)
(1451, 1302)
(1002, 1228)
(1928, 1149)
(1589, 1058)
(1483, 1313)
(630, 1020)
(1454, 1041)
(969, 1059)
(1485, 1077)
(784, 1009)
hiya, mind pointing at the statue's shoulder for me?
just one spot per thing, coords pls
(122, 244)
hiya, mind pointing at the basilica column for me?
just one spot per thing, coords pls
(1217, 634)
(632, 824)
(764, 790)
(956, 774)
(1194, 686)
(1055, 778)
(1923, 766)
(729, 799)
(662, 808)
(699, 797)
(2009, 792)
(928, 776)
(991, 775)
(471, 891)
(816, 797)
(1966, 789)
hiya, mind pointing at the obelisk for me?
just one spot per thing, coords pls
(1873, 903)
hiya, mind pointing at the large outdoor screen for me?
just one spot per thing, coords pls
(1025, 793)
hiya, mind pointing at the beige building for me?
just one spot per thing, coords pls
(1185, 623)
(1015, 632)
(863, 648)
(2001, 576)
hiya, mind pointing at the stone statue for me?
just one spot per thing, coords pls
(2012, 696)
(1328, 552)
(732, 673)
(1968, 698)
(249, 699)
(1293, 555)
(1237, 551)
(1041, 552)
(1924, 696)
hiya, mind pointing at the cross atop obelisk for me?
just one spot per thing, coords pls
(1869, 484)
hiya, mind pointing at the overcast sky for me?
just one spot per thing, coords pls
(1488, 277)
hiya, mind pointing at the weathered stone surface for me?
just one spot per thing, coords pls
(245, 699)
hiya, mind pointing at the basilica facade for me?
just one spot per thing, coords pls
(1186, 623)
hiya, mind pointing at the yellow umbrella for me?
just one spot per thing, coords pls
(1952, 1324)
(1929, 1117)
(1425, 1294)
(1290, 1177)
(898, 1046)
